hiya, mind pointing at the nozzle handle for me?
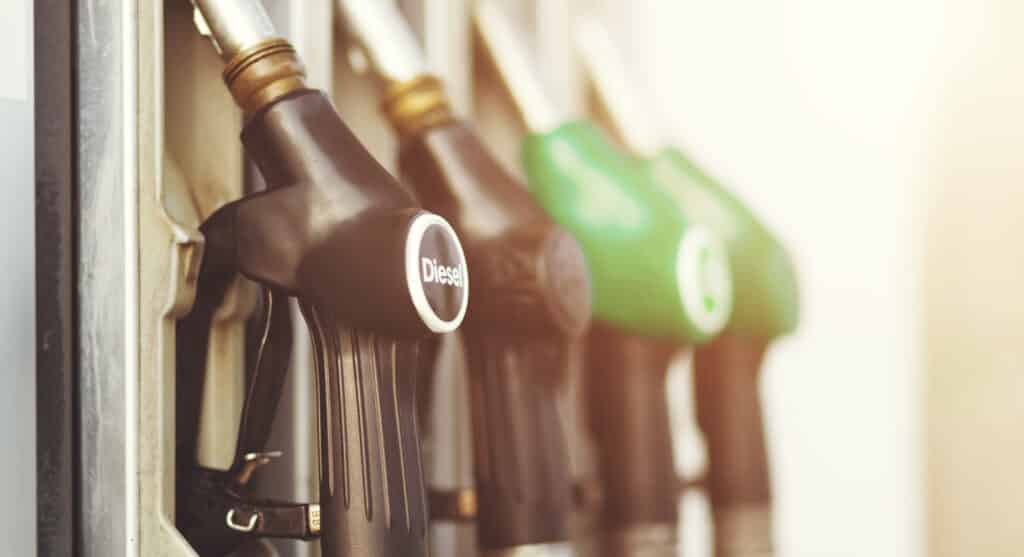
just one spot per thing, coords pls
(372, 491)
(627, 415)
(521, 464)
(727, 375)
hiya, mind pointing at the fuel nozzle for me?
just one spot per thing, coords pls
(726, 371)
(766, 293)
(376, 277)
(653, 271)
(532, 292)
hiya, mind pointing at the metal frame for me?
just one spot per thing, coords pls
(107, 276)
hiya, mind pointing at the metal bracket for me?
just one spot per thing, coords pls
(253, 461)
(229, 519)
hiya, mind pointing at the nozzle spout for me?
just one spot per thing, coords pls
(512, 60)
(612, 83)
(380, 31)
(260, 66)
(235, 25)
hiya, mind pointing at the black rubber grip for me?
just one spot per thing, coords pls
(524, 491)
(627, 415)
(426, 376)
(266, 377)
(202, 502)
(727, 391)
(372, 492)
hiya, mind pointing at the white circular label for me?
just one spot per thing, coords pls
(704, 279)
(445, 275)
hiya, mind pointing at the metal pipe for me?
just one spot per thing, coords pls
(614, 87)
(510, 57)
(385, 38)
(234, 25)
(260, 66)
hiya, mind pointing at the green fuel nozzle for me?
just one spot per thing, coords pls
(766, 301)
(653, 270)
(726, 371)
(764, 277)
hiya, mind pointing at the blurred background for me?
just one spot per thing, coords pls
(882, 141)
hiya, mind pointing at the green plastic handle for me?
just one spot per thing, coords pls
(765, 287)
(652, 271)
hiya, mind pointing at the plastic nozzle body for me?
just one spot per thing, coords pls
(376, 277)
(765, 284)
(764, 278)
(652, 271)
(532, 299)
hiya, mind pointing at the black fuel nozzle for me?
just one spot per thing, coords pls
(375, 276)
(531, 302)
(532, 295)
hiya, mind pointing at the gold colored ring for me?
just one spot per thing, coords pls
(415, 105)
(264, 72)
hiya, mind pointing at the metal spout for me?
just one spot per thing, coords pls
(233, 25)
(612, 83)
(383, 36)
(510, 57)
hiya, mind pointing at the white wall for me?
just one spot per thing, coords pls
(975, 310)
(819, 113)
